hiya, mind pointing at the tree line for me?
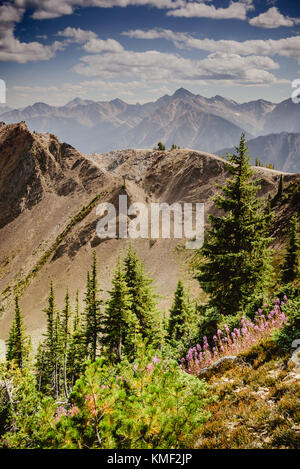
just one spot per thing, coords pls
(111, 329)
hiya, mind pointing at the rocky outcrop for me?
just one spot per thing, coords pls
(33, 164)
(294, 361)
(220, 366)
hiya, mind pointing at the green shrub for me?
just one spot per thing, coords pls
(150, 403)
(22, 409)
(290, 331)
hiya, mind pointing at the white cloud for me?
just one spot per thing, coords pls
(77, 34)
(248, 70)
(179, 39)
(271, 19)
(46, 9)
(93, 44)
(154, 66)
(10, 15)
(237, 10)
(285, 47)
(11, 48)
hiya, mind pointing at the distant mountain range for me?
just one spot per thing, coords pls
(282, 150)
(188, 120)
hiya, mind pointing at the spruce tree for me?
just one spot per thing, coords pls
(66, 323)
(118, 316)
(93, 313)
(291, 265)
(269, 213)
(11, 343)
(40, 364)
(49, 379)
(77, 348)
(58, 362)
(50, 312)
(161, 146)
(18, 342)
(280, 188)
(87, 300)
(143, 300)
(65, 338)
(77, 318)
(181, 314)
(237, 267)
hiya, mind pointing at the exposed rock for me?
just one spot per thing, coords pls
(221, 365)
(295, 359)
(33, 164)
(295, 343)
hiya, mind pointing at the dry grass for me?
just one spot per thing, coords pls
(258, 405)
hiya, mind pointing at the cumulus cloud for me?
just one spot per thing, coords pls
(10, 15)
(285, 47)
(46, 9)
(93, 44)
(236, 10)
(179, 39)
(77, 34)
(11, 48)
(154, 66)
(272, 19)
(248, 70)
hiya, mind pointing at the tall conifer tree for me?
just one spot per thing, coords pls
(291, 265)
(18, 342)
(93, 313)
(77, 350)
(58, 361)
(118, 316)
(143, 299)
(40, 364)
(237, 269)
(280, 187)
(49, 380)
(181, 315)
(65, 339)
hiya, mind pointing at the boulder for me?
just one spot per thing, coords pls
(220, 366)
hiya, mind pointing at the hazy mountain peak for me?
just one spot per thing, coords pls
(263, 101)
(219, 98)
(40, 106)
(182, 93)
(4, 108)
(79, 102)
(118, 102)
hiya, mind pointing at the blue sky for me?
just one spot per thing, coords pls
(139, 50)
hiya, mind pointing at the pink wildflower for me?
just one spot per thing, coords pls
(156, 360)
